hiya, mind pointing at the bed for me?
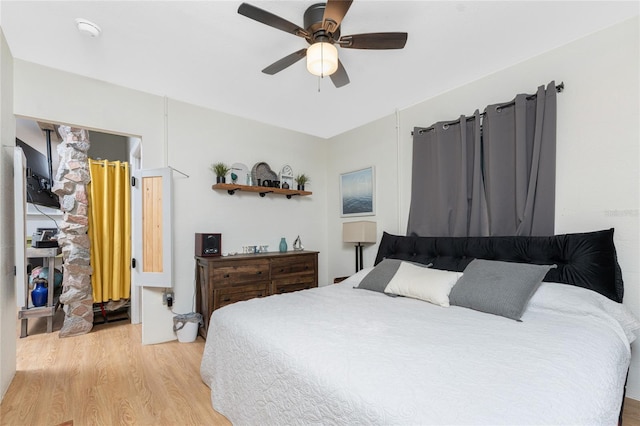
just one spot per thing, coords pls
(344, 354)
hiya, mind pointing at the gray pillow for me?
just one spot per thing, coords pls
(379, 277)
(499, 288)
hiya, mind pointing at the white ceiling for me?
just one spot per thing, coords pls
(205, 53)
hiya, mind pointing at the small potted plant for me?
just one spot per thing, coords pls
(301, 180)
(221, 170)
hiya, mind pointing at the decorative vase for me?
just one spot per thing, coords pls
(283, 245)
(285, 185)
(220, 179)
(300, 187)
(39, 295)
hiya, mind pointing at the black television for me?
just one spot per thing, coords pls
(39, 179)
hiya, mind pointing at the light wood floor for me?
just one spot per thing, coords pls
(108, 377)
(631, 413)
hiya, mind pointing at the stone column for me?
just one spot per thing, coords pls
(70, 185)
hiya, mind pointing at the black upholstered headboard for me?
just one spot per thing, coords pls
(586, 260)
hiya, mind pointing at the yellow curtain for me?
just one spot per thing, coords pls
(110, 230)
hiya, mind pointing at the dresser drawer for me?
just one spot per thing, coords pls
(292, 265)
(295, 283)
(226, 296)
(221, 281)
(234, 274)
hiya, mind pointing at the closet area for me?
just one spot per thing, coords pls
(102, 211)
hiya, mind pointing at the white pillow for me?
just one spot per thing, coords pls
(355, 279)
(430, 285)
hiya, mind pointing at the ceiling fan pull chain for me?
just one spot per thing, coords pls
(321, 76)
(322, 60)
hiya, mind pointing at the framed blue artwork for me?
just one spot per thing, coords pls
(357, 193)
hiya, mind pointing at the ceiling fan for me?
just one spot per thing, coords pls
(322, 31)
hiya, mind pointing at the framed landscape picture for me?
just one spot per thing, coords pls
(357, 193)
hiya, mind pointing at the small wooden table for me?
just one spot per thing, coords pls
(49, 257)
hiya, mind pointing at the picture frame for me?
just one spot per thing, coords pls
(357, 193)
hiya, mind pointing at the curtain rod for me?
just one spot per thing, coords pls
(559, 89)
(100, 162)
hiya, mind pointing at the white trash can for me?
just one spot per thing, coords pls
(186, 326)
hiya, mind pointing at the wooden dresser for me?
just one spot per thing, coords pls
(221, 281)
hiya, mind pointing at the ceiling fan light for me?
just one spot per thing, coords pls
(322, 59)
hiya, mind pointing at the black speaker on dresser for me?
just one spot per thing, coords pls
(208, 245)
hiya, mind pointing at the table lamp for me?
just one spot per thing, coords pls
(359, 232)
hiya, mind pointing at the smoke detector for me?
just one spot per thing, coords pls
(88, 28)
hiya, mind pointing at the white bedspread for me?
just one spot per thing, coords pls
(339, 355)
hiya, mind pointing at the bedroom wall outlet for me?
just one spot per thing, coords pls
(167, 298)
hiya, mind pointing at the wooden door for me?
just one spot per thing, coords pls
(152, 199)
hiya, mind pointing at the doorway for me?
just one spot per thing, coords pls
(102, 146)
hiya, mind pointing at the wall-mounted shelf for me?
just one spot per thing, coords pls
(231, 189)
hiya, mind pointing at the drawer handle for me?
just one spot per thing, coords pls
(259, 273)
(282, 270)
(260, 295)
(226, 275)
(228, 299)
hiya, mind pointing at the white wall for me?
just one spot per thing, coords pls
(196, 137)
(372, 145)
(597, 154)
(199, 137)
(8, 310)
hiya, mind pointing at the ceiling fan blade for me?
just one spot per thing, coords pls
(340, 77)
(285, 62)
(270, 19)
(374, 41)
(334, 13)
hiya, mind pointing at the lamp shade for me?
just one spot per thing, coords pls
(322, 59)
(359, 232)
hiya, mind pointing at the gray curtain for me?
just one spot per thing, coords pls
(447, 196)
(519, 156)
(494, 179)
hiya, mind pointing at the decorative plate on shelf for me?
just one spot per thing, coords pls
(241, 172)
(263, 172)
